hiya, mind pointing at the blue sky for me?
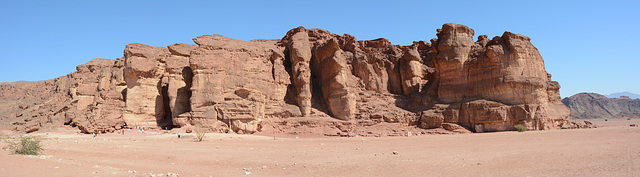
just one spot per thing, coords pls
(587, 46)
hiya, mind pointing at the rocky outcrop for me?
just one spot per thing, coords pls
(413, 73)
(90, 98)
(508, 69)
(144, 71)
(453, 48)
(311, 75)
(233, 80)
(99, 93)
(492, 85)
(300, 56)
(179, 78)
(593, 105)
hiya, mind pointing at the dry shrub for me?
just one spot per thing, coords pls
(26, 145)
(200, 132)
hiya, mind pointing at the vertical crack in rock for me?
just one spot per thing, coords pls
(166, 121)
(180, 77)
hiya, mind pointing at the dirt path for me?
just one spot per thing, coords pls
(605, 151)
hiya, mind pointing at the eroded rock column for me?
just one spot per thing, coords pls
(330, 66)
(280, 75)
(412, 72)
(300, 54)
(180, 78)
(144, 68)
(454, 44)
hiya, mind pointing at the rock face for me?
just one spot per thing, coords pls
(232, 82)
(310, 77)
(91, 99)
(144, 71)
(317, 54)
(593, 105)
(501, 82)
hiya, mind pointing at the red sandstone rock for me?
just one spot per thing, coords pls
(233, 80)
(144, 72)
(310, 78)
(300, 56)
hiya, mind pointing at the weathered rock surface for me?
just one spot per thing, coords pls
(300, 56)
(91, 98)
(309, 78)
(144, 71)
(593, 105)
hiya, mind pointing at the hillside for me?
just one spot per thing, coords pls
(619, 94)
(593, 105)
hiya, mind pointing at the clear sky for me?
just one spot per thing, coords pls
(588, 46)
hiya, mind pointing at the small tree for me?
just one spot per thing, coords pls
(200, 132)
(26, 145)
(520, 128)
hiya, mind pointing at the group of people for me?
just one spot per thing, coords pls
(139, 128)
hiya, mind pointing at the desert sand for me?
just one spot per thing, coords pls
(613, 149)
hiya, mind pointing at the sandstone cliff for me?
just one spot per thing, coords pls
(310, 78)
(593, 105)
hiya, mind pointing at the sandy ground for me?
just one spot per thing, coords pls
(610, 150)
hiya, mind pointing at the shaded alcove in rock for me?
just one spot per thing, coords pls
(165, 120)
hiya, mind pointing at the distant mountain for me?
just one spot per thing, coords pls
(629, 94)
(593, 105)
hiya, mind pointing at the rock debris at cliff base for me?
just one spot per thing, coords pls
(310, 78)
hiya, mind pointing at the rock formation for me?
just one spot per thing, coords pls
(593, 105)
(144, 74)
(310, 77)
(92, 99)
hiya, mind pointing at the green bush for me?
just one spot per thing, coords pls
(521, 128)
(26, 145)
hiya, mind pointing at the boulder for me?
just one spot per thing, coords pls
(431, 119)
(455, 128)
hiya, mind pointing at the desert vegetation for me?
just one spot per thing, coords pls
(520, 128)
(200, 132)
(26, 145)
